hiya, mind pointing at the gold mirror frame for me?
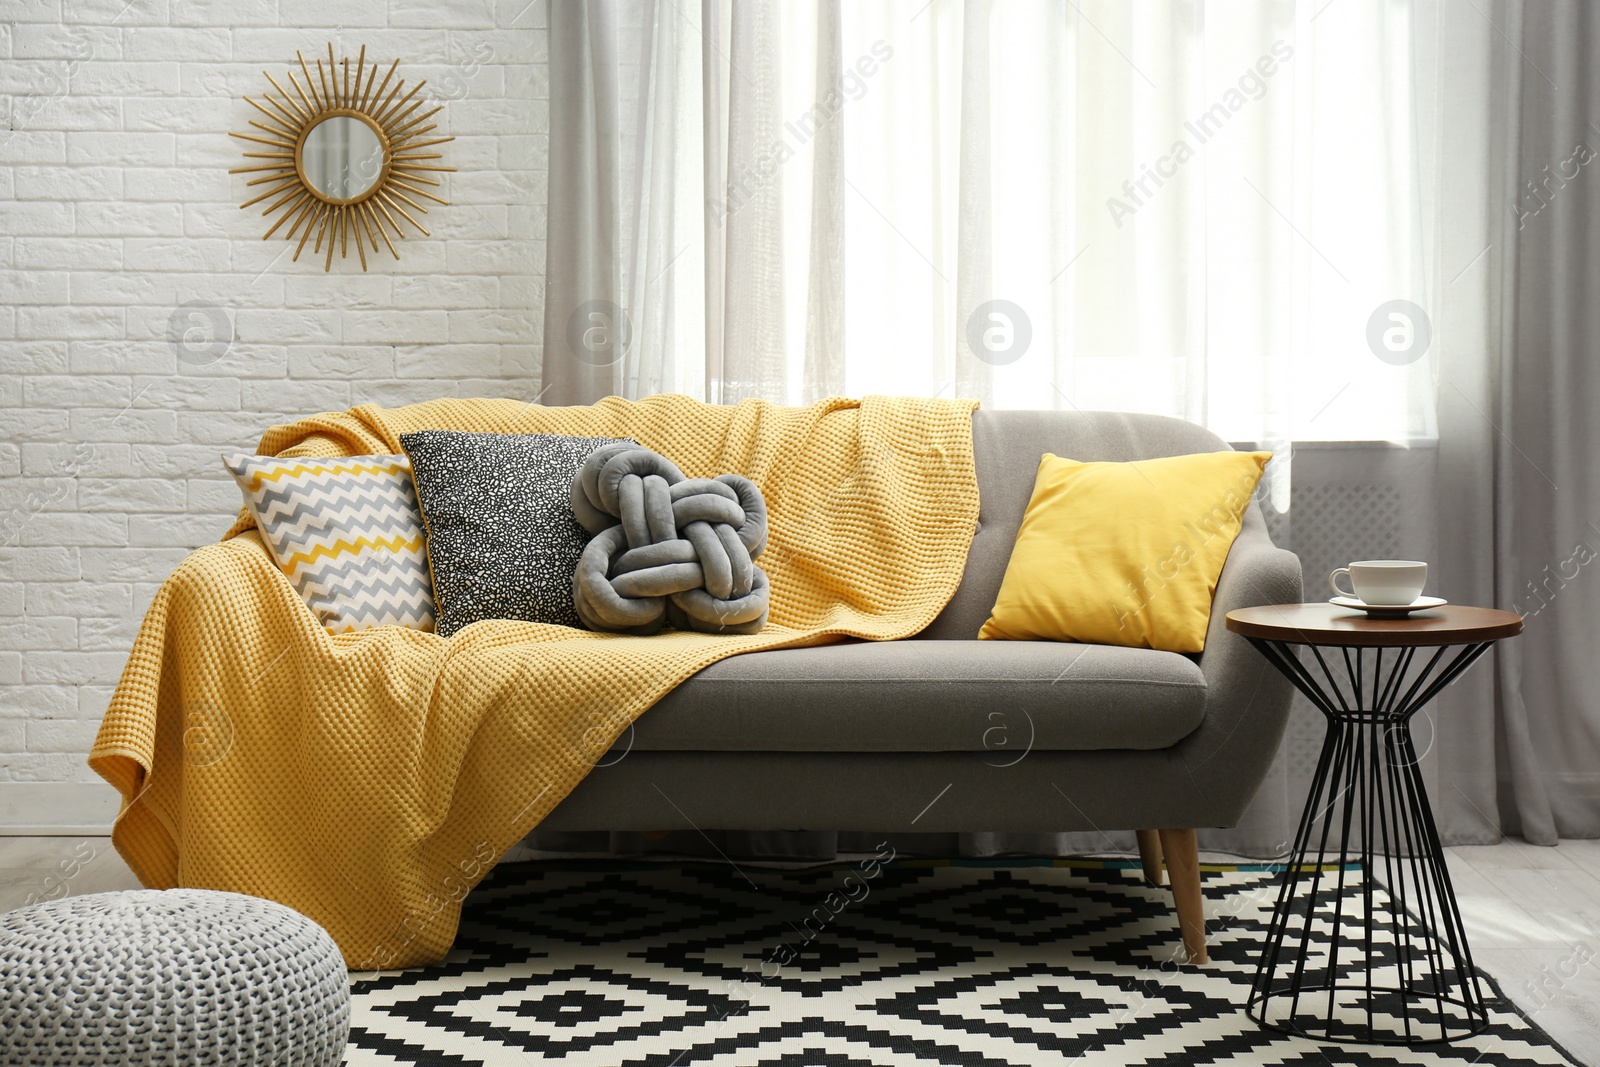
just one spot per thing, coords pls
(405, 166)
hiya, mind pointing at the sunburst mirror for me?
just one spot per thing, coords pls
(345, 159)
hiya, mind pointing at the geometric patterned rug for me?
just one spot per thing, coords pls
(1010, 962)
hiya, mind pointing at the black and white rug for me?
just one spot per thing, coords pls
(1006, 963)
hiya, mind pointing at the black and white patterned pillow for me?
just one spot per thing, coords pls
(502, 540)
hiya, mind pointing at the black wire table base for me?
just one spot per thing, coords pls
(1366, 943)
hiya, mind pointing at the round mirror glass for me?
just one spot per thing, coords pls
(341, 157)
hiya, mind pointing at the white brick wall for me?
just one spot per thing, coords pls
(115, 209)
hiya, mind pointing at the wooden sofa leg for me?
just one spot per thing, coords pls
(1150, 855)
(1182, 851)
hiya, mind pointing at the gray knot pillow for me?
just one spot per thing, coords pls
(667, 549)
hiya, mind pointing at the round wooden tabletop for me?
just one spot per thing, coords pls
(1327, 624)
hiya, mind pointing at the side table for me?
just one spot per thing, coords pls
(1366, 942)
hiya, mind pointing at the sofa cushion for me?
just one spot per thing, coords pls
(915, 696)
(347, 532)
(1124, 553)
(502, 539)
(1006, 446)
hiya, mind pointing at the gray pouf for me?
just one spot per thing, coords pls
(177, 976)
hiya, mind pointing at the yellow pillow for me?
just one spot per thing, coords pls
(1124, 553)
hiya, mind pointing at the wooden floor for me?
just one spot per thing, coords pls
(1532, 915)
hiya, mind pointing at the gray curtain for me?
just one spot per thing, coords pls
(583, 239)
(1520, 450)
(625, 212)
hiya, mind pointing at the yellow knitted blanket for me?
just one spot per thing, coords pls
(370, 779)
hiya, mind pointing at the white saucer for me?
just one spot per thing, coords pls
(1389, 611)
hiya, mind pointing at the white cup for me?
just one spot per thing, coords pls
(1383, 582)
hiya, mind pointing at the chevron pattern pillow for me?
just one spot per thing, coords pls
(347, 532)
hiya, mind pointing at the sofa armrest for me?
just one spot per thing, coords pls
(1247, 700)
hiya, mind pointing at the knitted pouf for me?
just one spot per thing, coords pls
(177, 976)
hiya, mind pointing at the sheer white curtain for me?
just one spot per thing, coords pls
(1186, 208)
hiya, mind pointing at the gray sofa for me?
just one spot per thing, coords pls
(865, 736)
